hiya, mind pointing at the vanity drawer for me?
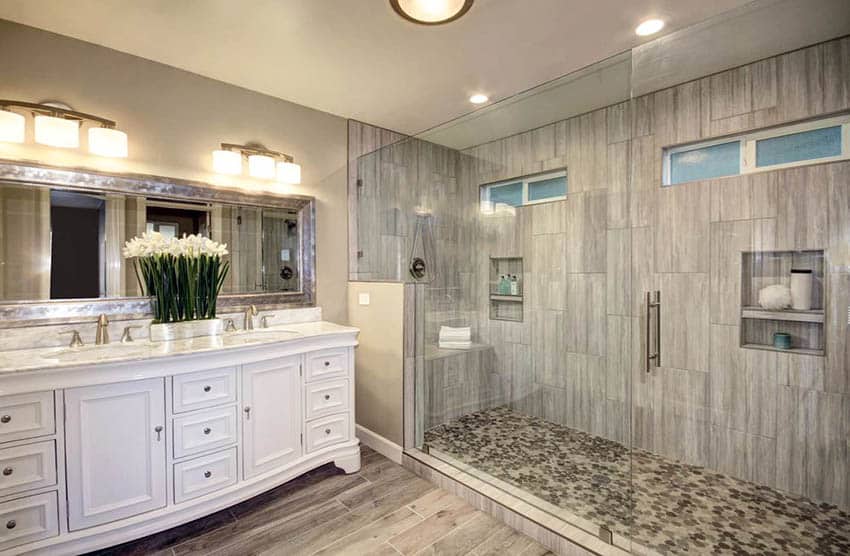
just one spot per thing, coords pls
(26, 416)
(324, 398)
(326, 431)
(326, 364)
(28, 519)
(205, 430)
(204, 389)
(203, 475)
(27, 467)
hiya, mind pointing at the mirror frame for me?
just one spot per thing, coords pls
(29, 313)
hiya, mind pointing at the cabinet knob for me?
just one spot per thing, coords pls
(207, 430)
(11, 524)
(247, 411)
(327, 363)
(327, 431)
(8, 471)
(207, 474)
(158, 431)
(327, 396)
(207, 388)
(5, 418)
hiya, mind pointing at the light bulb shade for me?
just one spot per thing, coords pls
(57, 132)
(288, 172)
(227, 162)
(431, 12)
(107, 142)
(261, 166)
(13, 127)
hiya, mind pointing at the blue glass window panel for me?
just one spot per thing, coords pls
(508, 194)
(806, 145)
(548, 188)
(706, 163)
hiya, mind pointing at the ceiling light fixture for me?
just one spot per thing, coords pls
(57, 125)
(262, 163)
(478, 98)
(649, 27)
(431, 12)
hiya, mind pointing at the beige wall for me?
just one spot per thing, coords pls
(379, 357)
(174, 119)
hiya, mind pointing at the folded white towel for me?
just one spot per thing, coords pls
(450, 333)
(455, 345)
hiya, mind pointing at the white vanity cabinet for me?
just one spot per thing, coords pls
(101, 453)
(271, 414)
(115, 451)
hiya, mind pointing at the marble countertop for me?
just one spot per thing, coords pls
(25, 360)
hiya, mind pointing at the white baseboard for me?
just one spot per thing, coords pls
(385, 447)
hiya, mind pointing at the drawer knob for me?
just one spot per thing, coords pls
(327, 431)
(5, 418)
(11, 524)
(327, 363)
(207, 388)
(207, 474)
(8, 471)
(327, 396)
(207, 430)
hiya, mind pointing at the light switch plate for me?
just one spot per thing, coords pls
(363, 298)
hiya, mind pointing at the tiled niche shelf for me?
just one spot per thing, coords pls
(760, 269)
(505, 306)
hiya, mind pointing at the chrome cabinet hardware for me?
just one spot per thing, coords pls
(327, 363)
(207, 430)
(5, 419)
(207, 474)
(207, 388)
(653, 304)
(327, 431)
(247, 411)
(76, 341)
(8, 471)
(126, 337)
(11, 524)
(158, 430)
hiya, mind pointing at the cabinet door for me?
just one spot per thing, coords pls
(271, 414)
(115, 451)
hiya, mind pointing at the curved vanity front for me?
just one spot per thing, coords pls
(106, 444)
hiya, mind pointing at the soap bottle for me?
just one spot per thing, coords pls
(514, 285)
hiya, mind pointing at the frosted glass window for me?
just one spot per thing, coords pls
(508, 194)
(705, 162)
(806, 145)
(547, 189)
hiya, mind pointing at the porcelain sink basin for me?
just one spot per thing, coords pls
(87, 353)
(265, 334)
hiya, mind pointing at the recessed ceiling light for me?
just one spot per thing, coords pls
(649, 27)
(431, 12)
(478, 99)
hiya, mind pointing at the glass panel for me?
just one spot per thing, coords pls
(806, 145)
(705, 163)
(548, 188)
(509, 194)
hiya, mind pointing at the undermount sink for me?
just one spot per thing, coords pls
(94, 352)
(248, 336)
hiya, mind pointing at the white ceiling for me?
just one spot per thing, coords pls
(357, 58)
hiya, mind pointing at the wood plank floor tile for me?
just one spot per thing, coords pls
(368, 539)
(461, 540)
(432, 529)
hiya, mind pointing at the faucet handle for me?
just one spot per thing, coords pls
(264, 320)
(229, 325)
(76, 341)
(126, 338)
(253, 310)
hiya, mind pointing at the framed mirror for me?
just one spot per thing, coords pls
(62, 234)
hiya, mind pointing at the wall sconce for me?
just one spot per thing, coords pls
(59, 126)
(262, 163)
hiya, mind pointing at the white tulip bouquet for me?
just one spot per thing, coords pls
(183, 276)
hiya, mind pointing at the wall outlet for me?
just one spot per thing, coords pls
(363, 298)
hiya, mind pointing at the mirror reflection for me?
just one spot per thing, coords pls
(66, 244)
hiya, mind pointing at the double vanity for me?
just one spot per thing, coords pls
(103, 444)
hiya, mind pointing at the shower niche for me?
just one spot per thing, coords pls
(507, 288)
(805, 326)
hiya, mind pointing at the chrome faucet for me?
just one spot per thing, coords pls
(250, 313)
(102, 336)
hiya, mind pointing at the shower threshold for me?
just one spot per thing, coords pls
(649, 503)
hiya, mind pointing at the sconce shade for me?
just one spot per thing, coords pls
(288, 172)
(57, 132)
(105, 141)
(12, 127)
(261, 166)
(227, 162)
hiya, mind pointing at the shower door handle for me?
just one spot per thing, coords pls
(653, 358)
